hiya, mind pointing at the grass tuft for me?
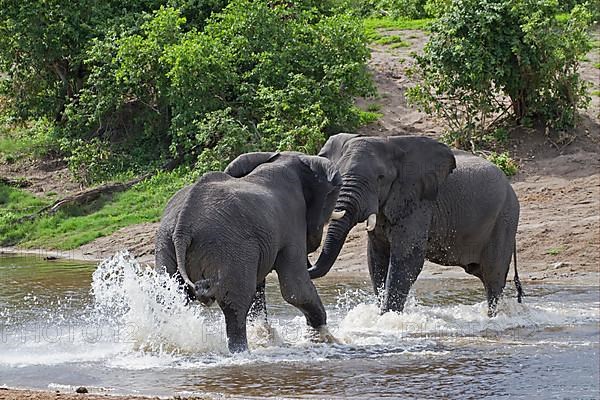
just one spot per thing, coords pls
(373, 25)
(368, 117)
(393, 40)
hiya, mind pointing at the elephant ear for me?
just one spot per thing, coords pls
(246, 163)
(321, 186)
(443, 165)
(333, 148)
(425, 162)
(322, 169)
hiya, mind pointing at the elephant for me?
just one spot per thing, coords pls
(421, 200)
(223, 235)
(241, 167)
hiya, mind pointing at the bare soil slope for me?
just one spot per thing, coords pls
(558, 184)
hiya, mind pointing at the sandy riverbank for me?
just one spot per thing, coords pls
(18, 394)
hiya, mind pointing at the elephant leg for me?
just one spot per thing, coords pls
(235, 323)
(407, 255)
(494, 279)
(493, 292)
(258, 309)
(234, 298)
(495, 262)
(298, 289)
(378, 253)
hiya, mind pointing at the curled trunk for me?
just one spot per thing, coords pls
(350, 199)
(336, 236)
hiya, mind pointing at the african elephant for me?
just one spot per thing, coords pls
(241, 167)
(421, 200)
(223, 234)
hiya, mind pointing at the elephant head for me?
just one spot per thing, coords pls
(321, 183)
(386, 176)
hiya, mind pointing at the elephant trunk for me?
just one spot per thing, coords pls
(336, 236)
(348, 201)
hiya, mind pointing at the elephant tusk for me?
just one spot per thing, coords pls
(371, 222)
(338, 215)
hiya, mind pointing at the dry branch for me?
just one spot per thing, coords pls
(19, 183)
(85, 196)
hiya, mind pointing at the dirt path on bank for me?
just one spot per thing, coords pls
(558, 185)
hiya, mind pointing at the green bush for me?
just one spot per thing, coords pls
(416, 9)
(286, 75)
(220, 135)
(410, 9)
(43, 46)
(504, 162)
(37, 139)
(436, 8)
(487, 60)
(92, 161)
(155, 77)
(136, 83)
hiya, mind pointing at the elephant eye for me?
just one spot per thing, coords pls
(380, 177)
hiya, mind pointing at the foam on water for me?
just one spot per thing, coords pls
(138, 320)
(363, 324)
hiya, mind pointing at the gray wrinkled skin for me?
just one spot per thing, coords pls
(225, 233)
(450, 207)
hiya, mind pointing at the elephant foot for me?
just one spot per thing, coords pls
(324, 336)
(493, 295)
(237, 347)
(493, 308)
(395, 306)
(237, 343)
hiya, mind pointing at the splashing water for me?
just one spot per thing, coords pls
(136, 319)
(150, 307)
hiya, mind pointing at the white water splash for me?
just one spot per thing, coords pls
(364, 325)
(150, 307)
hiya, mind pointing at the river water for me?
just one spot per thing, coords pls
(120, 328)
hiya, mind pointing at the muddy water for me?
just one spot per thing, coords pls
(119, 328)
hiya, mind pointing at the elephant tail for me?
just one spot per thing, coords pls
(517, 280)
(181, 243)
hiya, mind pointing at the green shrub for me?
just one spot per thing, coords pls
(436, 8)
(487, 60)
(43, 46)
(143, 80)
(90, 161)
(34, 140)
(504, 162)
(405, 9)
(220, 135)
(281, 77)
